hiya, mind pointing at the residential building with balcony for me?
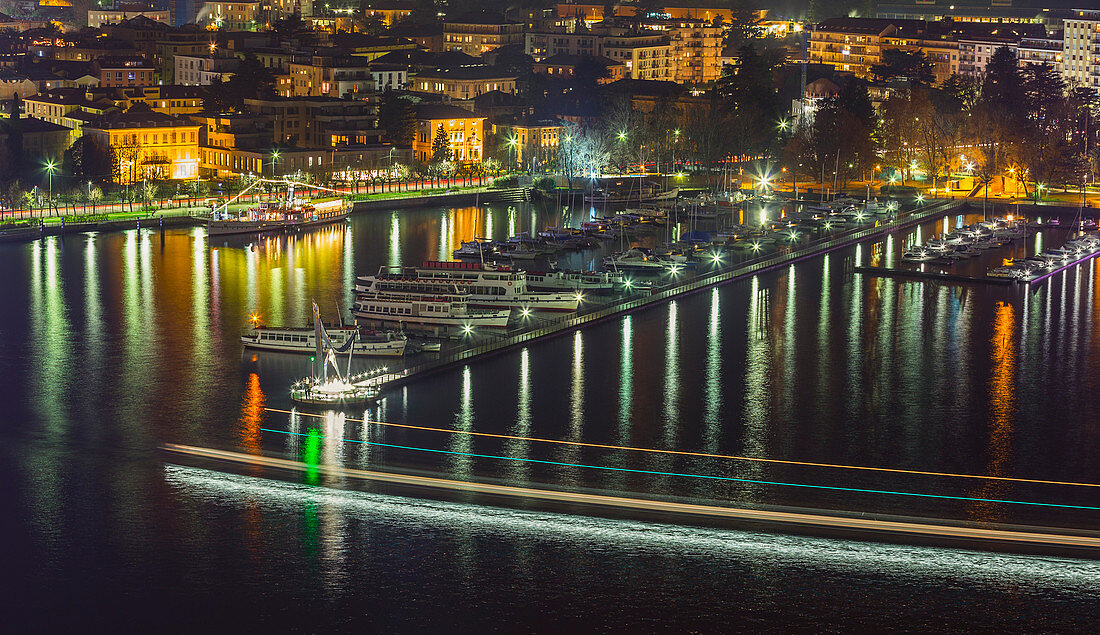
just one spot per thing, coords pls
(204, 70)
(1046, 50)
(646, 55)
(478, 33)
(317, 122)
(124, 71)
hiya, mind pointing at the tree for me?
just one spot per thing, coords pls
(87, 160)
(251, 81)
(911, 66)
(441, 149)
(16, 159)
(397, 117)
(744, 26)
(749, 94)
(998, 117)
(291, 25)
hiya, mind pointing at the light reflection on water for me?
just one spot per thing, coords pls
(715, 545)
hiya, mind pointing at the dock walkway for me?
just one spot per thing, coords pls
(930, 275)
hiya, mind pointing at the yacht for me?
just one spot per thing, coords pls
(917, 254)
(590, 281)
(479, 249)
(304, 340)
(486, 285)
(635, 260)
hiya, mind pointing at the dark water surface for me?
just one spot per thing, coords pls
(113, 344)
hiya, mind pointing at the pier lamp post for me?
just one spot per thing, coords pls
(50, 167)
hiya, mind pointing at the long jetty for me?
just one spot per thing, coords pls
(696, 285)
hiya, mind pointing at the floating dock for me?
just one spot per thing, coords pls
(931, 275)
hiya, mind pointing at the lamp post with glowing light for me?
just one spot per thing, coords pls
(513, 144)
(50, 167)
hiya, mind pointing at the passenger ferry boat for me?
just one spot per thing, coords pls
(276, 216)
(436, 313)
(304, 340)
(486, 285)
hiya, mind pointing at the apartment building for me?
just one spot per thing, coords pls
(193, 70)
(478, 33)
(1081, 48)
(98, 18)
(317, 122)
(329, 76)
(646, 55)
(231, 16)
(123, 71)
(856, 44)
(695, 51)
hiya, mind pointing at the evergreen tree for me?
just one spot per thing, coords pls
(441, 147)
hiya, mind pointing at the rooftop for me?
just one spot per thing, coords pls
(435, 112)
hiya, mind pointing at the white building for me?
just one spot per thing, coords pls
(974, 54)
(192, 70)
(1081, 48)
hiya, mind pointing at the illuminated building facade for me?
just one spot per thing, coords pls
(147, 144)
(464, 130)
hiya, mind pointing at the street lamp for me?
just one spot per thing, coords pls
(513, 143)
(274, 160)
(50, 167)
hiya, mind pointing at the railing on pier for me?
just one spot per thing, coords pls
(604, 312)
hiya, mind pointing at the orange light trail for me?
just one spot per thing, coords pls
(708, 455)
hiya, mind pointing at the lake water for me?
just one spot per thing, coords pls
(114, 344)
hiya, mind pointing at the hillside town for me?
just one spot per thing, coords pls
(192, 97)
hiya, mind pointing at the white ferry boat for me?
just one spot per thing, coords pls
(434, 313)
(304, 340)
(487, 286)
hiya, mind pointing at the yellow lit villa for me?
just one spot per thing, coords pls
(148, 145)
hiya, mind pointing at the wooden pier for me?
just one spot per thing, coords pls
(638, 302)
